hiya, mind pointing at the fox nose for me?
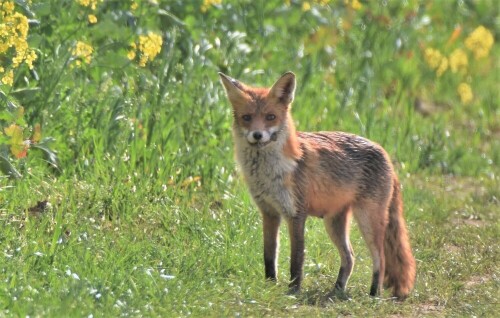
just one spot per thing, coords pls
(257, 135)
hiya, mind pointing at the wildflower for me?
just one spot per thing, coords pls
(89, 3)
(134, 6)
(480, 42)
(92, 19)
(131, 55)
(207, 3)
(82, 52)
(306, 6)
(354, 4)
(443, 66)
(149, 47)
(436, 60)
(465, 93)
(8, 78)
(458, 60)
(432, 57)
(14, 48)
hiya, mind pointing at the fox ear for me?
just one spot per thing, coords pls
(284, 88)
(234, 91)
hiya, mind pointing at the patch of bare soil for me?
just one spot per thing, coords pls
(429, 309)
(476, 280)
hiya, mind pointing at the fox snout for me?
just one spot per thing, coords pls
(258, 137)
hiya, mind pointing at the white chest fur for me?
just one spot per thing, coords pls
(266, 172)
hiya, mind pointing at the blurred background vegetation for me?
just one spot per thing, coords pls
(88, 84)
(112, 110)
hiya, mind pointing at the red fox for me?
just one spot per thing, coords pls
(331, 175)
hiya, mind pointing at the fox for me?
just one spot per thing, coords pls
(332, 175)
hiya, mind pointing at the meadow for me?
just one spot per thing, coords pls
(119, 194)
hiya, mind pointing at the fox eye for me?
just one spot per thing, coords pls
(270, 117)
(246, 117)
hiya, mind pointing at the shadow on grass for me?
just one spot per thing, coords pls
(321, 298)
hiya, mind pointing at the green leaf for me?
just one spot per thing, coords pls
(50, 155)
(7, 168)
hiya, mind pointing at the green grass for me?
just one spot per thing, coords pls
(146, 213)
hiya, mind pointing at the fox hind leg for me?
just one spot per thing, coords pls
(337, 227)
(372, 220)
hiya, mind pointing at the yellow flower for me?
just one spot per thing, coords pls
(207, 3)
(8, 78)
(480, 42)
(92, 19)
(134, 6)
(443, 66)
(465, 93)
(432, 57)
(354, 4)
(306, 6)
(458, 60)
(7, 8)
(89, 3)
(436, 60)
(14, 49)
(148, 47)
(83, 52)
(131, 55)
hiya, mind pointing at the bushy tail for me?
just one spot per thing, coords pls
(400, 269)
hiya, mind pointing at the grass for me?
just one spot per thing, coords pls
(146, 214)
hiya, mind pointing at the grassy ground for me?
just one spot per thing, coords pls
(130, 204)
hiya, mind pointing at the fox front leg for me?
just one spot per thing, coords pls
(296, 230)
(271, 224)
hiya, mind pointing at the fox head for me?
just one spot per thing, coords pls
(260, 114)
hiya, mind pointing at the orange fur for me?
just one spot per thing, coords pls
(292, 146)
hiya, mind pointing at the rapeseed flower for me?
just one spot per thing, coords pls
(148, 47)
(82, 52)
(306, 5)
(480, 42)
(89, 3)
(14, 47)
(442, 67)
(8, 78)
(92, 18)
(436, 60)
(354, 4)
(207, 3)
(131, 54)
(432, 57)
(458, 61)
(465, 92)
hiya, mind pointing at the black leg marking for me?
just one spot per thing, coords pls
(270, 269)
(375, 284)
(340, 284)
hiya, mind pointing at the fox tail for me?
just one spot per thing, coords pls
(400, 268)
